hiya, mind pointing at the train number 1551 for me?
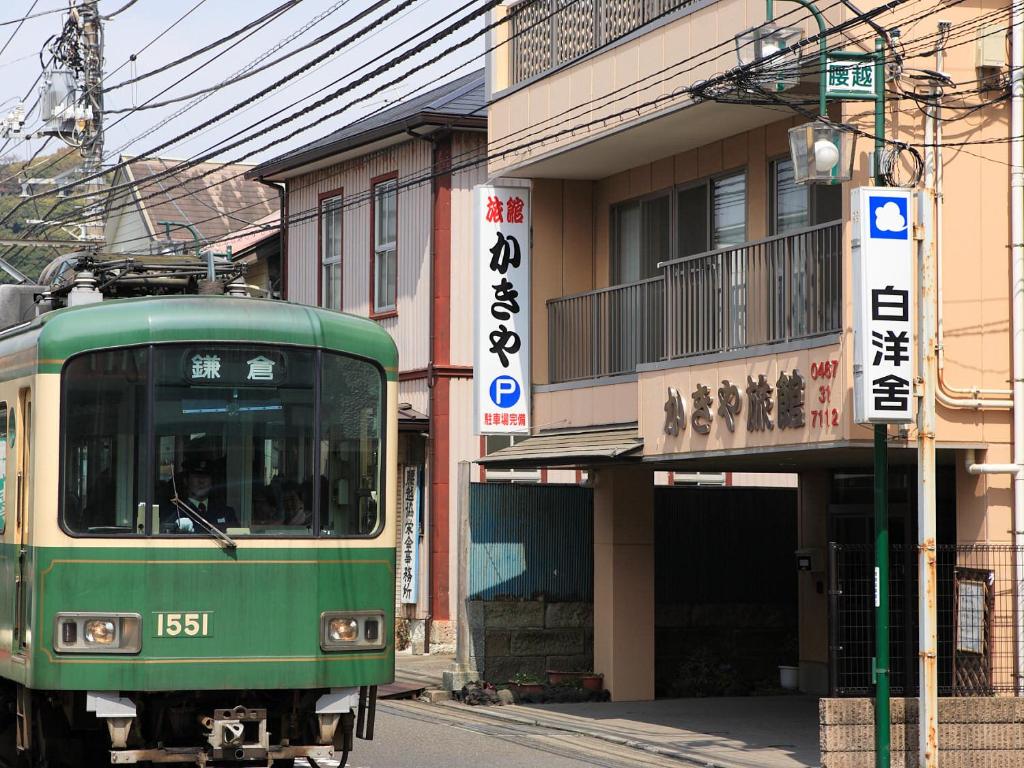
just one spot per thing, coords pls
(198, 624)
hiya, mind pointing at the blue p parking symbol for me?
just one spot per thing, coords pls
(505, 391)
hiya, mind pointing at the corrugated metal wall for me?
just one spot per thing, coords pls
(412, 160)
(465, 147)
(531, 540)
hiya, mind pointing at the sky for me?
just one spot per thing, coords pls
(131, 31)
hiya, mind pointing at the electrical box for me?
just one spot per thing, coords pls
(990, 48)
(810, 559)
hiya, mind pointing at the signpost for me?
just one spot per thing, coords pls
(501, 294)
(857, 75)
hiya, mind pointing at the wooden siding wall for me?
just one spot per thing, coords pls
(412, 160)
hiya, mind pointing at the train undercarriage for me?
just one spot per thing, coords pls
(211, 729)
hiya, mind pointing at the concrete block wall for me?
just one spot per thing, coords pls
(530, 637)
(974, 732)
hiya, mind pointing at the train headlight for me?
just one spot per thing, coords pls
(342, 630)
(352, 630)
(98, 633)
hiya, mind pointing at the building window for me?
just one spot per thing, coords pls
(712, 214)
(330, 252)
(796, 206)
(385, 246)
(643, 237)
(494, 443)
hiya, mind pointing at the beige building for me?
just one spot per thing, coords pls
(673, 252)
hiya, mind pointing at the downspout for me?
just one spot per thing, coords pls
(282, 211)
(1017, 319)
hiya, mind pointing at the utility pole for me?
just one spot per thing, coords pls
(92, 150)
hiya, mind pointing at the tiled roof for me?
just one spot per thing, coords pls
(217, 204)
(459, 103)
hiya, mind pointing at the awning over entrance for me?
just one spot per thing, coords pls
(411, 420)
(563, 449)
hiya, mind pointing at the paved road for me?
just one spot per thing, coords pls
(410, 734)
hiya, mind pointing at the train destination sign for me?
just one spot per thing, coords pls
(218, 366)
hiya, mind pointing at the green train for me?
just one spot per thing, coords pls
(197, 560)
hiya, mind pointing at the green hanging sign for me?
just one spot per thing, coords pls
(850, 76)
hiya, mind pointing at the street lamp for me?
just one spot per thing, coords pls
(821, 153)
(767, 40)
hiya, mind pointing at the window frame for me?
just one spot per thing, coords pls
(4, 432)
(322, 263)
(378, 312)
(511, 476)
(149, 428)
(673, 191)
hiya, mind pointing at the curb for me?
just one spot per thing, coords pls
(643, 746)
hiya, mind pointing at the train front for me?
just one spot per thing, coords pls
(220, 588)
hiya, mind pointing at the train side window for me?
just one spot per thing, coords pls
(350, 447)
(3, 467)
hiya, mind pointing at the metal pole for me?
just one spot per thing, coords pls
(883, 740)
(928, 681)
(822, 47)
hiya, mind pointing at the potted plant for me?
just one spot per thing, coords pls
(592, 681)
(525, 684)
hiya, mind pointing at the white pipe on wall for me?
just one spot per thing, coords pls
(973, 468)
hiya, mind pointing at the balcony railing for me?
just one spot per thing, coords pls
(780, 289)
(784, 288)
(605, 332)
(547, 33)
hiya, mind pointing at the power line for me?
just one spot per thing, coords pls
(25, 18)
(447, 31)
(364, 197)
(17, 28)
(120, 10)
(208, 47)
(809, 40)
(691, 58)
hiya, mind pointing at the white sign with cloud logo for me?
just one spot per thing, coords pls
(883, 306)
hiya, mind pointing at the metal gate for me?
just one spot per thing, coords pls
(976, 587)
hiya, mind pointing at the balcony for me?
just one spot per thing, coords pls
(548, 33)
(782, 289)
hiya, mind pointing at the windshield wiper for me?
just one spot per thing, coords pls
(213, 530)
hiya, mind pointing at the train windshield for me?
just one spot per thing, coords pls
(252, 440)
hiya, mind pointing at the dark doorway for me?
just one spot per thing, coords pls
(725, 589)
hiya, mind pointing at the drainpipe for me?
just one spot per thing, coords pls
(1017, 319)
(974, 468)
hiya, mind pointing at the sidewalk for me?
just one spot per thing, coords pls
(746, 732)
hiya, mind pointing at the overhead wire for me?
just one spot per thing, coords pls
(629, 111)
(200, 51)
(547, 137)
(712, 48)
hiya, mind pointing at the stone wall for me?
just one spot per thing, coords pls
(974, 732)
(530, 637)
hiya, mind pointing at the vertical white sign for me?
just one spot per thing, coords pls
(410, 533)
(883, 301)
(501, 316)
